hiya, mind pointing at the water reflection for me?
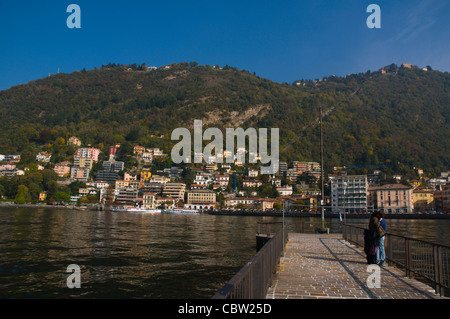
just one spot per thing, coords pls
(142, 256)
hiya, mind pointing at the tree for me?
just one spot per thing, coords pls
(23, 195)
(221, 199)
(268, 191)
(75, 187)
(277, 205)
(61, 197)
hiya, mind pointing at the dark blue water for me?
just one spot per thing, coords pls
(124, 255)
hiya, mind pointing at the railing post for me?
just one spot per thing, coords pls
(390, 254)
(438, 271)
(408, 257)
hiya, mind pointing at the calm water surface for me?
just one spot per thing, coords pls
(141, 255)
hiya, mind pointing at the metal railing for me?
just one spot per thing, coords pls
(269, 228)
(255, 278)
(424, 259)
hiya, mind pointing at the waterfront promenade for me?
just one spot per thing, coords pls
(316, 266)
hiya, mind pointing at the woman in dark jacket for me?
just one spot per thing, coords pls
(377, 224)
(381, 255)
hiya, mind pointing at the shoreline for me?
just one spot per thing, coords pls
(329, 215)
(44, 206)
(253, 214)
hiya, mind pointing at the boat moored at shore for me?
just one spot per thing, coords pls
(136, 209)
(179, 211)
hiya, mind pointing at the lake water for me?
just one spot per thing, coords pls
(124, 255)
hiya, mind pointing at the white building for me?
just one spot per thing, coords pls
(253, 173)
(349, 193)
(285, 190)
(43, 157)
(222, 180)
(203, 179)
(149, 201)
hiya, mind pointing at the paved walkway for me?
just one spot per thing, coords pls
(326, 266)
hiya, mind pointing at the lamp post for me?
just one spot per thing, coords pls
(322, 199)
(345, 198)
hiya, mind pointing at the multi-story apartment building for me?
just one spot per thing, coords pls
(232, 202)
(300, 166)
(146, 156)
(159, 179)
(391, 198)
(148, 201)
(62, 169)
(292, 174)
(127, 195)
(107, 176)
(129, 176)
(201, 196)
(203, 179)
(286, 190)
(252, 183)
(137, 149)
(282, 167)
(13, 159)
(155, 188)
(303, 167)
(113, 166)
(349, 193)
(79, 173)
(222, 180)
(423, 199)
(84, 162)
(175, 190)
(264, 203)
(89, 153)
(122, 184)
(446, 198)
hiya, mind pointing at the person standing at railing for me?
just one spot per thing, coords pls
(377, 233)
(381, 254)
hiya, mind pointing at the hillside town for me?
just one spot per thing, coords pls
(295, 187)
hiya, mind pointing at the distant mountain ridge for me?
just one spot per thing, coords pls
(396, 115)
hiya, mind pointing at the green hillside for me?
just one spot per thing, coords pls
(400, 118)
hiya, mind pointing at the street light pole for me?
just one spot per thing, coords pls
(321, 172)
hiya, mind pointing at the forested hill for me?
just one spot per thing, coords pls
(400, 117)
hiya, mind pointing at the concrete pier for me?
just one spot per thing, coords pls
(326, 266)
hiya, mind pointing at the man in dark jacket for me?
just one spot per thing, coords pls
(377, 224)
(381, 255)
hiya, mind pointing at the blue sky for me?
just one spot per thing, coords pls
(280, 40)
